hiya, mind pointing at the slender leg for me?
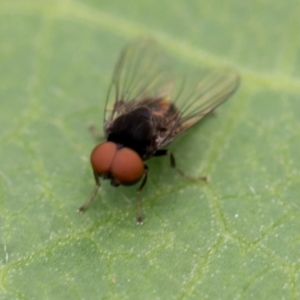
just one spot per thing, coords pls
(139, 215)
(94, 132)
(94, 193)
(163, 152)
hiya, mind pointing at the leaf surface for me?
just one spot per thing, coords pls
(236, 237)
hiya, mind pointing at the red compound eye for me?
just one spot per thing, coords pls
(127, 166)
(123, 164)
(102, 157)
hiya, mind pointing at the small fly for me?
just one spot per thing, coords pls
(147, 107)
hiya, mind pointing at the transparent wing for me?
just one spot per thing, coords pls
(142, 77)
(197, 95)
(141, 72)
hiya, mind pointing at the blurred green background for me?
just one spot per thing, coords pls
(237, 237)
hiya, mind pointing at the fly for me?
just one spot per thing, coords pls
(146, 108)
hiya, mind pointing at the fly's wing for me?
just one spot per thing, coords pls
(142, 77)
(194, 97)
(141, 74)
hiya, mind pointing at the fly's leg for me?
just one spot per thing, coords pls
(94, 193)
(163, 152)
(139, 215)
(94, 132)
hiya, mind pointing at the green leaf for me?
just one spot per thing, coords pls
(236, 237)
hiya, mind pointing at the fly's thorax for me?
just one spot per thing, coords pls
(134, 130)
